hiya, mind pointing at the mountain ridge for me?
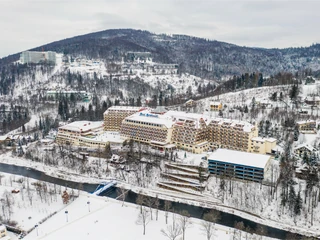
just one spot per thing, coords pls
(197, 56)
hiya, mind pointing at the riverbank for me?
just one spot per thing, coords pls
(201, 201)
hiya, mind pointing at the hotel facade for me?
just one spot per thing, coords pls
(114, 116)
(191, 132)
(148, 128)
(81, 133)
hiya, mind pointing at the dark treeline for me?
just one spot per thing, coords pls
(12, 117)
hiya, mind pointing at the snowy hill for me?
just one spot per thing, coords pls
(197, 56)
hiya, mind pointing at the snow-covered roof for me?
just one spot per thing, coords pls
(82, 126)
(278, 149)
(246, 127)
(147, 117)
(305, 145)
(311, 98)
(63, 91)
(124, 108)
(159, 110)
(112, 137)
(215, 103)
(306, 121)
(182, 116)
(261, 139)
(240, 158)
(2, 227)
(3, 138)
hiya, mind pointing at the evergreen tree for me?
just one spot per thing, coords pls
(60, 109)
(281, 96)
(298, 204)
(291, 198)
(246, 109)
(139, 101)
(294, 91)
(160, 99)
(274, 96)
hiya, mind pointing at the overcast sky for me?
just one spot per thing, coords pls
(25, 24)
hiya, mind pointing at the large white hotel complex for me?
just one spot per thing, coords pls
(191, 132)
(170, 130)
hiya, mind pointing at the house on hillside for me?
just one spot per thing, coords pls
(310, 80)
(5, 139)
(312, 100)
(190, 103)
(308, 126)
(304, 148)
(215, 106)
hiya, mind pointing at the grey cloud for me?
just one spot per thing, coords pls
(30, 23)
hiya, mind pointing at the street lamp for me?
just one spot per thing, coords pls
(88, 205)
(36, 227)
(66, 212)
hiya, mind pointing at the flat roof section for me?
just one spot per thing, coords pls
(240, 158)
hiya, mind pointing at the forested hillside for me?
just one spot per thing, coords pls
(197, 56)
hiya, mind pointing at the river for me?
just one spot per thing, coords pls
(227, 219)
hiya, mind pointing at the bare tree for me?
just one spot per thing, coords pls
(150, 204)
(172, 231)
(240, 226)
(141, 199)
(156, 205)
(261, 230)
(122, 194)
(207, 226)
(1, 176)
(167, 208)
(65, 197)
(143, 219)
(184, 221)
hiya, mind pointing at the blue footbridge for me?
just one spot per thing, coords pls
(104, 186)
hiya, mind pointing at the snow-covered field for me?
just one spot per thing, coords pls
(108, 219)
(31, 204)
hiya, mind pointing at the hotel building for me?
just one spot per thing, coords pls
(241, 165)
(263, 145)
(38, 57)
(114, 116)
(190, 131)
(81, 133)
(148, 128)
(231, 134)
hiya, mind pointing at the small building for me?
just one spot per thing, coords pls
(160, 110)
(304, 148)
(3, 233)
(309, 126)
(236, 164)
(82, 133)
(263, 145)
(215, 106)
(5, 139)
(38, 57)
(190, 103)
(312, 100)
(310, 80)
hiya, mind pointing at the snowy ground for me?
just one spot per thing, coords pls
(210, 199)
(107, 219)
(28, 207)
